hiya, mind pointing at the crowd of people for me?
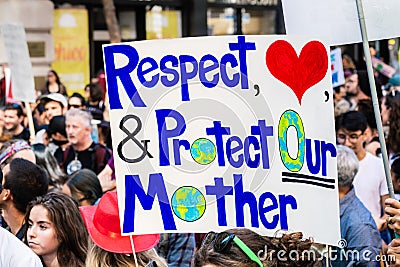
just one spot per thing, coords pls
(59, 206)
(363, 189)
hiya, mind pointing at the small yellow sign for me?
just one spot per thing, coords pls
(71, 48)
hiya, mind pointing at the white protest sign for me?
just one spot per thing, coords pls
(337, 67)
(212, 133)
(337, 20)
(14, 40)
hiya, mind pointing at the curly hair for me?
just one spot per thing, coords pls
(70, 229)
(393, 138)
(26, 181)
(266, 248)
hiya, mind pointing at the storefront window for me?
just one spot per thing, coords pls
(163, 23)
(127, 21)
(221, 21)
(258, 21)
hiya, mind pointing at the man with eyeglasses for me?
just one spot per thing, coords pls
(13, 119)
(370, 182)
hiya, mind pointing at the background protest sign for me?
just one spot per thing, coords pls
(212, 133)
(382, 67)
(71, 48)
(14, 40)
(337, 20)
(337, 67)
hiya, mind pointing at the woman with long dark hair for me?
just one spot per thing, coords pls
(53, 84)
(56, 232)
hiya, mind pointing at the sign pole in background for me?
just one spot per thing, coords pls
(375, 101)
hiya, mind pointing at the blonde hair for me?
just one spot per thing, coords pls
(98, 257)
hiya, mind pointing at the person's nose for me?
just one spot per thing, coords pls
(32, 232)
(347, 141)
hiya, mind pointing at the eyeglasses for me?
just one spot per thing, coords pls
(222, 243)
(352, 137)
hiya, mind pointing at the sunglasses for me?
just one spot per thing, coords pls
(73, 106)
(222, 243)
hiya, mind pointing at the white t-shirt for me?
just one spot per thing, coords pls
(14, 253)
(370, 183)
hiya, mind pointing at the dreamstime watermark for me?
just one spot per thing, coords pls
(339, 253)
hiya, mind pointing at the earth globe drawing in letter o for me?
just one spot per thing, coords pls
(188, 203)
(203, 151)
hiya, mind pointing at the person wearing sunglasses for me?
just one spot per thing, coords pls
(245, 248)
(76, 100)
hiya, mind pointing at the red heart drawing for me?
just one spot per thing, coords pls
(299, 73)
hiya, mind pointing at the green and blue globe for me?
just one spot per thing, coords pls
(188, 203)
(203, 151)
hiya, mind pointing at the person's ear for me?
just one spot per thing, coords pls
(6, 194)
(89, 130)
(364, 135)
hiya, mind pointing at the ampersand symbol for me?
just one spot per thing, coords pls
(131, 136)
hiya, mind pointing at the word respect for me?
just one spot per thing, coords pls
(171, 70)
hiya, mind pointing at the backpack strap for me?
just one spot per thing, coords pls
(65, 156)
(101, 152)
